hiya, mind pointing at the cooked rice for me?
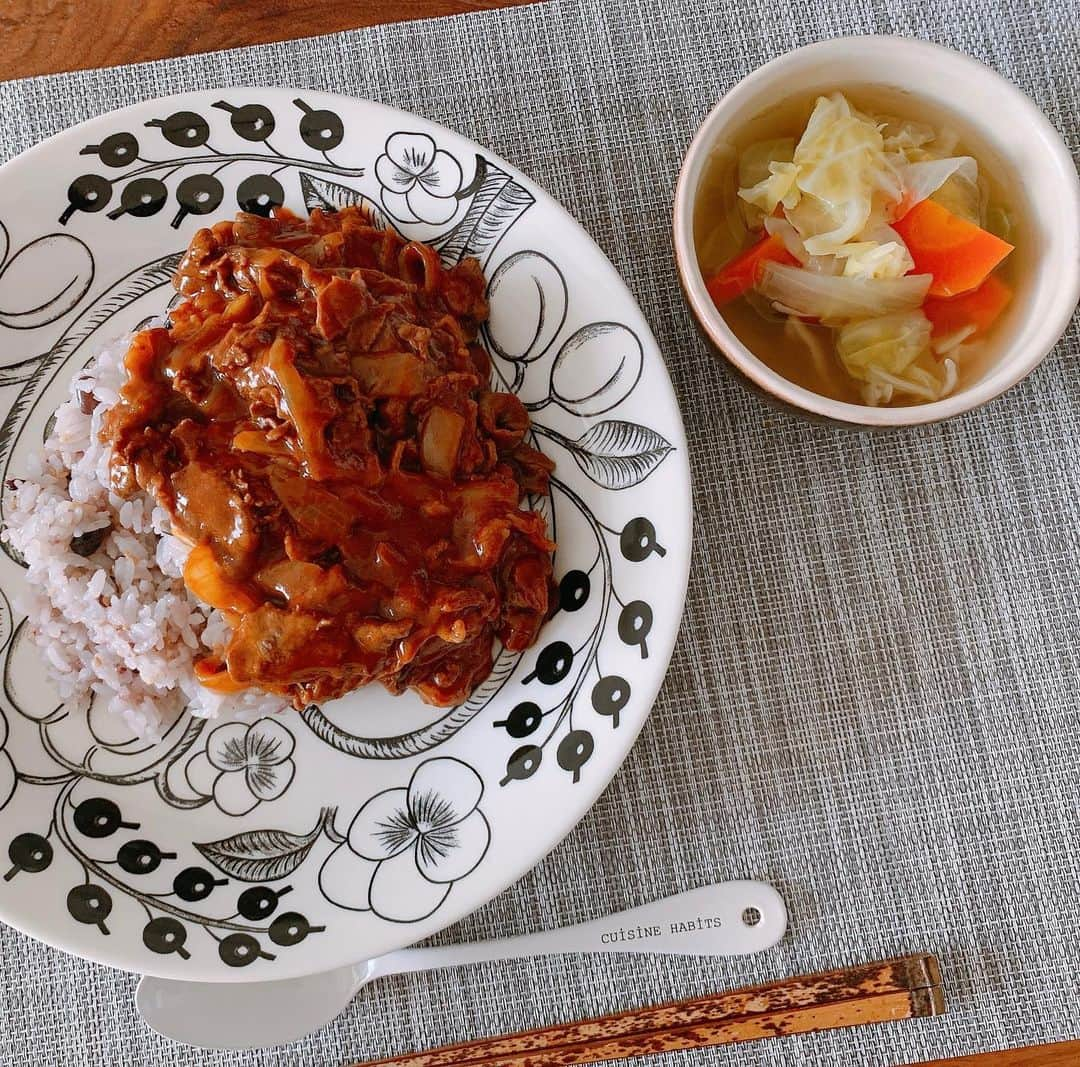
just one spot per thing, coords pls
(118, 626)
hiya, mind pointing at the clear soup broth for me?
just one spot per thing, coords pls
(721, 233)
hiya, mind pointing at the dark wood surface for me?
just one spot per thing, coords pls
(1062, 1054)
(48, 36)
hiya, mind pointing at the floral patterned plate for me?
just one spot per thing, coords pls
(292, 845)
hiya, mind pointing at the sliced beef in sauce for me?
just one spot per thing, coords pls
(318, 422)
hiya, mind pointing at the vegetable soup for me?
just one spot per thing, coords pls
(860, 252)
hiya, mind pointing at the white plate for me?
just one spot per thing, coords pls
(121, 852)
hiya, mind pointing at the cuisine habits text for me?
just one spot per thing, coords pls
(642, 933)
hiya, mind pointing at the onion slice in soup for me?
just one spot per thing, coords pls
(922, 179)
(837, 298)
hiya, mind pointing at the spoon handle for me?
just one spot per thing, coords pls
(726, 919)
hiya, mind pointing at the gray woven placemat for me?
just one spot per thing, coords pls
(873, 701)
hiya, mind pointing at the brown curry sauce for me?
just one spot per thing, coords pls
(316, 419)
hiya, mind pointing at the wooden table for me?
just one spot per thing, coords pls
(38, 37)
(49, 36)
(1062, 1054)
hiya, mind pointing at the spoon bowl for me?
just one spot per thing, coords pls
(244, 1015)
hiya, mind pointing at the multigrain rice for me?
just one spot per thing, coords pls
(118, 625)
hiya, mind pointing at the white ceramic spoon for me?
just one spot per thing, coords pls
(728, 919)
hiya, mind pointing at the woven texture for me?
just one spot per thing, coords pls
(873, 699)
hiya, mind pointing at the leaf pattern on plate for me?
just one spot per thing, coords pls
(505, 663)
(331, 196)
(263, 855)
(617, 454)
(401, 746)
(499, 202)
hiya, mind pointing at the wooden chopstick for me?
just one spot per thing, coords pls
(1059, 1054)
(904, 988)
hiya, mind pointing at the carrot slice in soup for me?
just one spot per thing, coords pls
(742, 273)
(959, 254)
(979, 308)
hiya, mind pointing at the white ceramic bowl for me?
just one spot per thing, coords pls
(1009, 131)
